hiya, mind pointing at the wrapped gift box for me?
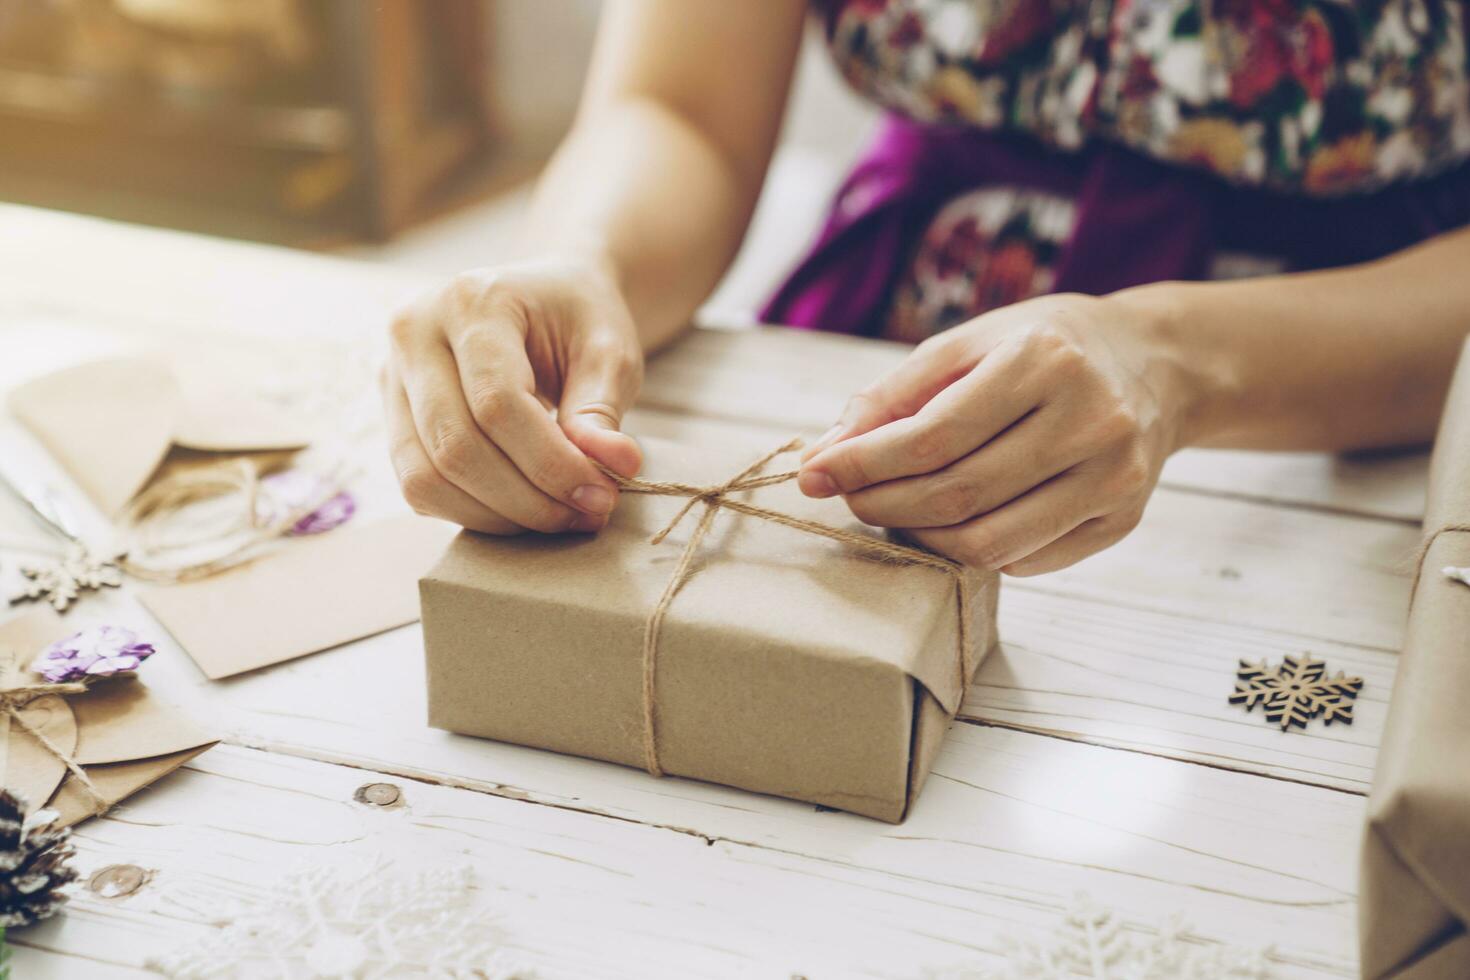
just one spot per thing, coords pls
(1415, 901)
(787, 663)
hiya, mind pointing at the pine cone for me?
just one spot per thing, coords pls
(34, 866)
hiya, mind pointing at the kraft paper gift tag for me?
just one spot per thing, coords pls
(111, 423)
(120, 736)
(1414, 908)
(310, 594)
(787, 663)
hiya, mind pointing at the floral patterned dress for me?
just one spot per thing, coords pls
(1289, 101)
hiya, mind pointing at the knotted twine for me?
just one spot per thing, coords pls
(12, 699)
(717, 497)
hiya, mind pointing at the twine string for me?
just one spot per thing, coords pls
(1428, 543)
(12, 699)
(152, 512)
(717, 497)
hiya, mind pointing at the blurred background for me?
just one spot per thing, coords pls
(401, 131)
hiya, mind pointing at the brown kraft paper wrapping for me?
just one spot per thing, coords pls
(1414, 908)
(116, 733)
(787, 664)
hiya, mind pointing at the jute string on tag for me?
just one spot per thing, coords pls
(717, 497)
(12, 699)
(165, 503)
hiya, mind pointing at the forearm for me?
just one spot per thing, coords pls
(641, 192)
(658, 179)
(1341, 359)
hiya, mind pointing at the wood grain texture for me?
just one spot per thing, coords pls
(1017, 823)
(1158, 682)
(1137, 650)
(783, 378)
(151, 280)
(1010, 824)
(1389, 485)
(1096, 750)
(148, 279)
(1314, 573)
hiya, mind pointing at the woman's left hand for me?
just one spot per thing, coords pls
(1023, 440)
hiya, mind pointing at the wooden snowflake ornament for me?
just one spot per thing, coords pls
(61, 582)
(1296, 692)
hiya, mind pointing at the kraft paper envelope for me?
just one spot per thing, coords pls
(122, 737)
(110, 423)
(1414, 910)
(309, 594)
(787, 664)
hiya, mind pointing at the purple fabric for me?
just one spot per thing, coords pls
(1138, 220)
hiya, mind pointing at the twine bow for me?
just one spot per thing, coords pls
(717, 497)
(12, 699)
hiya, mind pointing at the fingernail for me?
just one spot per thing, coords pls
(825, 439)
(599, 415)
(587, 522)
(816, 484)
(593, 499)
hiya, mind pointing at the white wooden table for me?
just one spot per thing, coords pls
(1095, 752)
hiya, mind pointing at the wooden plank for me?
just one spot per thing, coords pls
(1086, 666)
(1090, 653)
(1149, 668)
(1075, 668)
(1134, 648)
(1389, 485)
(1017, 823)
(1158, 683)
(785, 379)
(35, 963)
(147, 278)
(1012, 822)
(1316, 575)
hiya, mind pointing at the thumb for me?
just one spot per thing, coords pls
(928, 370)
(601, 383)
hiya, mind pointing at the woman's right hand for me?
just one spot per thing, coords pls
(472, 375)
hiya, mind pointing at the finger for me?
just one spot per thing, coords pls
(461, 453)
(999, 391)
(1087, 539)
(1024, 456)
(425, 490)
(500, 390)
(1019, 529)
(928, 370)
(601, 383)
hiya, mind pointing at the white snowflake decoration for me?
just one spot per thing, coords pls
(62, 581)
(356, 923)
(1091, 943)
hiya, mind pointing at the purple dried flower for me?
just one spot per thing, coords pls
(335, 511)
(293, 489)
(97, 652)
